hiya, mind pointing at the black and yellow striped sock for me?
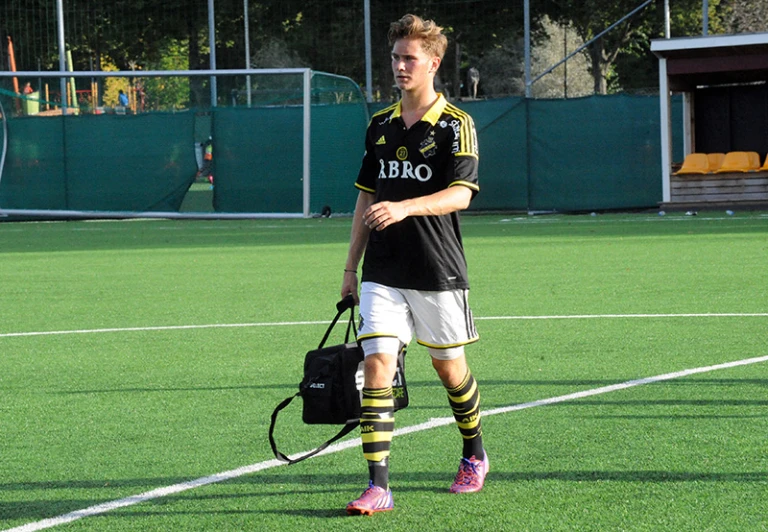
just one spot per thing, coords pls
(465, 403)
(377, 421)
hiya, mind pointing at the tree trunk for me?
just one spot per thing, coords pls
(457, 71)
(598, 73)
(195, 82)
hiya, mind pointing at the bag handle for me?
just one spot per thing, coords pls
(346, 429)
(348, 303)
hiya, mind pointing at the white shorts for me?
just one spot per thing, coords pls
(441, 321)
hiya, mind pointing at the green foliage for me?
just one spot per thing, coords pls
(170, 93)
(328, 36)
(622, 57)
(501, 69)
(746, 16)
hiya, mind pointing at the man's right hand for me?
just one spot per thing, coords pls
(349, 286)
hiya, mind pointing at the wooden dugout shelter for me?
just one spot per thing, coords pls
(724, 82)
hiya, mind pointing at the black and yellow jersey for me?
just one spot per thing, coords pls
(439, 151)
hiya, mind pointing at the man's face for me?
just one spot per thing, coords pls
(412, 66)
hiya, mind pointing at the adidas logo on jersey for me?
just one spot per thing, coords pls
(381, 141)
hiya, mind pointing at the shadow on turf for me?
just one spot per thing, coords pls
(293, 387)
(289, 388)
(324, 484)
(334, 513)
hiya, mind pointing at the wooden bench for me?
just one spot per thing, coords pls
(721, 189)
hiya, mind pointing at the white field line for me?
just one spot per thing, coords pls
(296, 323)
(163, 328)
(628, 316)
(356, 442)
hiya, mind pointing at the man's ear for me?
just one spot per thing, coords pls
(435, 64)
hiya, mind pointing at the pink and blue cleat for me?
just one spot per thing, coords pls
(471, 475)
(374, 499)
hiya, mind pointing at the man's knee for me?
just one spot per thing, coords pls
(451, 372)
(379, 370)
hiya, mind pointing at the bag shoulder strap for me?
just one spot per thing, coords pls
(346, 429)
(348, 303)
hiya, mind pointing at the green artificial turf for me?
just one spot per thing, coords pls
(136, 355)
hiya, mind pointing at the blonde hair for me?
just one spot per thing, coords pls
(430, 34)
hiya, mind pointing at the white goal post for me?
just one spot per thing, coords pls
(306, 91)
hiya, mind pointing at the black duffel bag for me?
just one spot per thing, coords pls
(332, 385)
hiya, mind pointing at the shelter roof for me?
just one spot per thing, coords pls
(714, 60)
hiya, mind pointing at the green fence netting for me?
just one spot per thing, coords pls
(259, 151)
(567, 155)
(337, 150)
(594, 153)
(34, 169)
(503, 166)
(104, 163)
(258, 160)
(129, 163)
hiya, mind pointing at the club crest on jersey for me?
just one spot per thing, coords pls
(405, 170)
(428, 147)
(402, 153)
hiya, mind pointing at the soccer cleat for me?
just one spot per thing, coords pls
(471, 475)
(374, 499)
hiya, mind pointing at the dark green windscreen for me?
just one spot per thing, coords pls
(600, 152)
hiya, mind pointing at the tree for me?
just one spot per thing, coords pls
(571, 79)
(746, 16)
(502, 69)
(636, 67)
(589, 18)
(170, 92)
(328, 35)
(629, 42)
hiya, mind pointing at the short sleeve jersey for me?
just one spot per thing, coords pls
(439, 151)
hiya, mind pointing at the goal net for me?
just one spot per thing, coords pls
(218, 143)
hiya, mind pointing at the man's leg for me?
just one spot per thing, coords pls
(377, 422)
(464, 398)
(377, 419)
(381, 309)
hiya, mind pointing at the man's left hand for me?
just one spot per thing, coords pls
(381, 215)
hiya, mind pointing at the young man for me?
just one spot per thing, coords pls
(418, 172)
